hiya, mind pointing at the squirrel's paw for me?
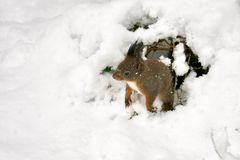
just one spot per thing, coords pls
(153, 109)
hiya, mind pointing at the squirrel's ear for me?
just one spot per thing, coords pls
(135, 49)
(140, 67)
(131, 49)
(138, 50)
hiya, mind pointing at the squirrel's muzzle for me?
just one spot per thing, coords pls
(117, 75)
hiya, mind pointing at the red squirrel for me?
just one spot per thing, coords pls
(150, 78)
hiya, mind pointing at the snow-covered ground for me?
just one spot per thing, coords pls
(55, 104)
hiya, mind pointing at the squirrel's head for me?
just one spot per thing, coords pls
(132, 66)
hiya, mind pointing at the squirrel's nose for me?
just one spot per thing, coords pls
(116, 75)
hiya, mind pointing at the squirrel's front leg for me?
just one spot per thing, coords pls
(128, 100)
(149, 102)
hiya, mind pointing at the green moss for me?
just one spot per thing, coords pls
(107, 69)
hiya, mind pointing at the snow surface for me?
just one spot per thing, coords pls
(55, 104)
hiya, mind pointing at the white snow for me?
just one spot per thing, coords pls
(55, 104)
(180, 65)
(166, 61)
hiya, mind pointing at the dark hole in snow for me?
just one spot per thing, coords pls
(165, 47)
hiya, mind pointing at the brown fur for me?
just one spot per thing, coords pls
(153, 79)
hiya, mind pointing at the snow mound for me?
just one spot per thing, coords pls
(180, 65)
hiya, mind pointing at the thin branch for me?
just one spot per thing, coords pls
(214, 146)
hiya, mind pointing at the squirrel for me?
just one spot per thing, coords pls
(150, 78)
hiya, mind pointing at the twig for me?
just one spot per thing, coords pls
(214, 146)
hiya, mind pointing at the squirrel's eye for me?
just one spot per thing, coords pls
(126, 73)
